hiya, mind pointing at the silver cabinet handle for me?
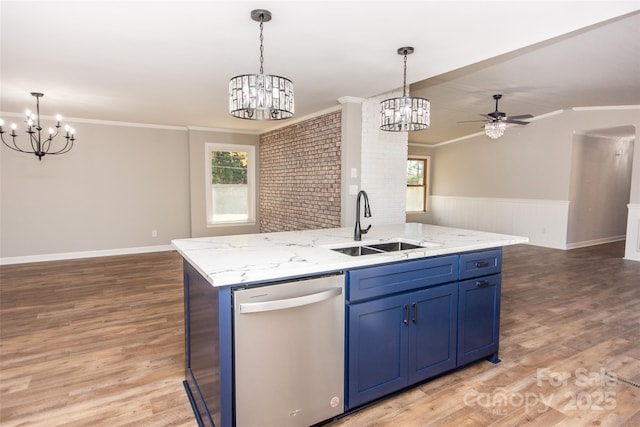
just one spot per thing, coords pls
(281, 304)
(482, 284)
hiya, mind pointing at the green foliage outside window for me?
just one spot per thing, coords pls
(415, 172)
(229, 167)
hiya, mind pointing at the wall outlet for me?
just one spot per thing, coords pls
(154, 233)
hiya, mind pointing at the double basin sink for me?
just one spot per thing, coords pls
(393, 245)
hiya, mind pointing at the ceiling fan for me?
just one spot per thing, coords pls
(499, 116)
(496, 122)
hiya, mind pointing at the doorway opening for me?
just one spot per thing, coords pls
(600, 186)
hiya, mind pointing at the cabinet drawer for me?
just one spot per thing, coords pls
(388, 279)
(481, 263)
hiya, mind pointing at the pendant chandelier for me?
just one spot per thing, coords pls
(39, 146)
(495, 129)
(404, 114)
(261, 96)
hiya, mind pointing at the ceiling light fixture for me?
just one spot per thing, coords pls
(495, 129)
(261, 96)
(39, 147)
(404, 114)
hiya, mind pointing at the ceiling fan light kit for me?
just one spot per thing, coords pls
(497, 120)
(495, 130)
(404, 114)
(261, 96)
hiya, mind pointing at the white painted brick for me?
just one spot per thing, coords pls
(384, 163)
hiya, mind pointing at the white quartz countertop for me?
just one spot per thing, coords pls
(252, 258)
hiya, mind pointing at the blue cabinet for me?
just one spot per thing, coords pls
(479, 306)
(432, 336)
(376, 348)
(413, 320)
(400, 340)
(208, 373)
(401, 326)
(479, 319)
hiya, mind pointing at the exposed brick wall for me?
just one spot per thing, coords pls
(300, 168)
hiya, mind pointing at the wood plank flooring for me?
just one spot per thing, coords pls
(93, 342)
(100, 342)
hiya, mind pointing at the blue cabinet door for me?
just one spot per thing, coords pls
(432, 335)
(479, 319)
(396, 341)
(377, 348)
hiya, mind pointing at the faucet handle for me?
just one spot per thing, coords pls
(366, 229)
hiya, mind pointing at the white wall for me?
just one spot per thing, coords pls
(527, 173)
(528, 162)
(544, 222)
(632, 244)
(384, 165)
(600, 188)
(118, 183)
(122, 181)
(351, 110)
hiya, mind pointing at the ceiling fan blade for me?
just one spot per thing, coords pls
(521, 116)
(517, 122)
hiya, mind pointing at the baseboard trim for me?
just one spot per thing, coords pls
(83, 254)
(595, 242)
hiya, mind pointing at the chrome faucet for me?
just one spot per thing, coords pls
(357, 234)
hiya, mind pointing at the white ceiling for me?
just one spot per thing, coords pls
(593, 67)
(169, 62)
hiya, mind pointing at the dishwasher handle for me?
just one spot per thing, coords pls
(281, 304)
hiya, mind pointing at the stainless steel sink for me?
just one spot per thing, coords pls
(383, 247)
(358, 250)
(395, 246)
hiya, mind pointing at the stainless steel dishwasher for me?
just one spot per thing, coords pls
(289, 352)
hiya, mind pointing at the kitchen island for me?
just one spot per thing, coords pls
(442, 284)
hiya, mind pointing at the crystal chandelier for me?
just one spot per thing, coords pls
(406, 113)
(495, 129)
(39, 146)
(261, 96)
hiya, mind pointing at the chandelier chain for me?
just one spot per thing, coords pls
(38, 112)
(404, 81)
(261, 44)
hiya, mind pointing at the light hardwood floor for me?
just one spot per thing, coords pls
(93, 342)
(100, 342)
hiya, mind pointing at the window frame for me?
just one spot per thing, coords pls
(425, 181)
(210, 147)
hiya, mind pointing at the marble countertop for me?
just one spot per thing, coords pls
(252, 258)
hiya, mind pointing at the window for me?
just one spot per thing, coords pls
(230, 175)
(417, 184)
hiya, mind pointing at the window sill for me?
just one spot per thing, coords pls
(417, 216)
(232, 224)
